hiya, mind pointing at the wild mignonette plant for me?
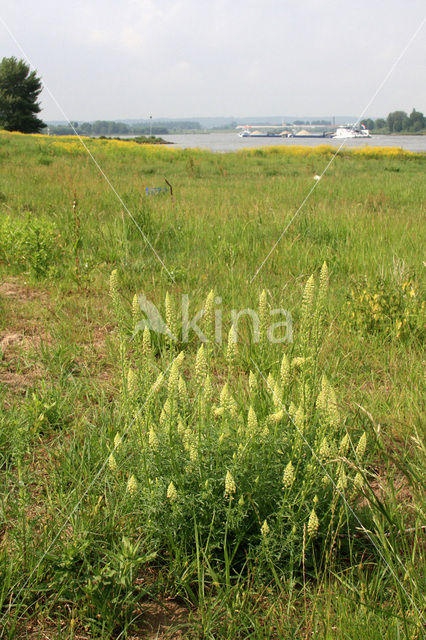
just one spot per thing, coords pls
(234, 466)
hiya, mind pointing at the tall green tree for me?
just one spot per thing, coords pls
(19, 91)
(417, 121)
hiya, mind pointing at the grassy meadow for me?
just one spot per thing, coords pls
(159, 488)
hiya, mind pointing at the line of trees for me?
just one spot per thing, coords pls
(398, 121)
(110, 128)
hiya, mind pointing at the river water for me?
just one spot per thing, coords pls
(232, 142)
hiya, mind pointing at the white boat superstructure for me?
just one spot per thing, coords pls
(352, 132)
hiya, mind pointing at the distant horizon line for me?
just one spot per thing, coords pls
(241, 119)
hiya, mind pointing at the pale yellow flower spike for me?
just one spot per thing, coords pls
(323, 284)
(182, 390)
(277, 395)
(270, 383)
(173, 379)
(263, 320)
(251, 421)
(208, 390)
(170, 315)
(200, 366)
(344, 445)
(113, 283)
(117, 440)
(288, 477)
(362, 444)
(313, 523)
(132, 382)
(152, 439)
(252, 383)
(171, 492)
(230, 486)
(112, 463)
(146, 342)
(224, 396)
(285, 371)
(136, 310)
(264, 529)
(158, 383)
(132, 485)
(165, 413)
(299, 418)
(324, 450)
(232, 351)
(275, 418)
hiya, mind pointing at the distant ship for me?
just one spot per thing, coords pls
(247, 133)
(352, 132)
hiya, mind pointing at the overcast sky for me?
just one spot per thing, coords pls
(113, 59)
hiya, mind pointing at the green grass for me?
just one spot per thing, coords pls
(94, 539)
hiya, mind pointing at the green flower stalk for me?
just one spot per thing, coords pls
(230, 486)
(132, 383)
(209, 317)
(208, 391)
(263, 316)
(321, 306)
(313, 523)
(132, 485)
(117, 441)
(136, 310)
(306, 313)
(232, 351)
(285, 371)
(115, 297)
(170, 318)
(200, 366)
(288, 477)
(171, 492)
(146, 342)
